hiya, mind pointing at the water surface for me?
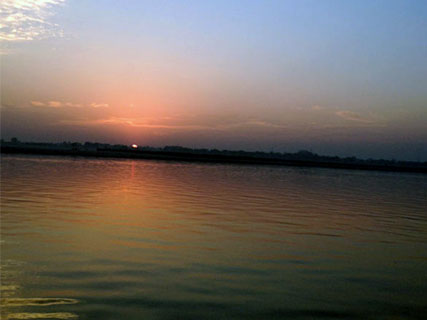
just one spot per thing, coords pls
(123, 239)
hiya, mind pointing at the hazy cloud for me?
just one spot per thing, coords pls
(24, 20)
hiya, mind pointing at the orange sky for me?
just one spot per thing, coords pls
(277, 76)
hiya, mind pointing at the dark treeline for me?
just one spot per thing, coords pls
(300, 158)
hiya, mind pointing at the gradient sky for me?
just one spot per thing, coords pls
(334, 77)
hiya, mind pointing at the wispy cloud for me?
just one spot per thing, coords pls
(138, 123)
(55, 104)
(317, 107)
(52, 104)
(73, 105)
(353, 116)
(256, 123)
(99, 105)
(25, 20)
(38, 104)
(61, 104)
(170, 123)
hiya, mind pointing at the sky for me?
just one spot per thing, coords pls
(345, 78)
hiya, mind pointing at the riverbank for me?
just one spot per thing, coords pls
(208, 158)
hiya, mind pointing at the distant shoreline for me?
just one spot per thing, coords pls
(206, 158)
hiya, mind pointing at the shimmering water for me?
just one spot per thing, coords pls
(123, 239)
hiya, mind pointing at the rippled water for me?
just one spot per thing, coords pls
(123, 239)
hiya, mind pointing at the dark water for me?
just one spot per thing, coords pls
(122, 239)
